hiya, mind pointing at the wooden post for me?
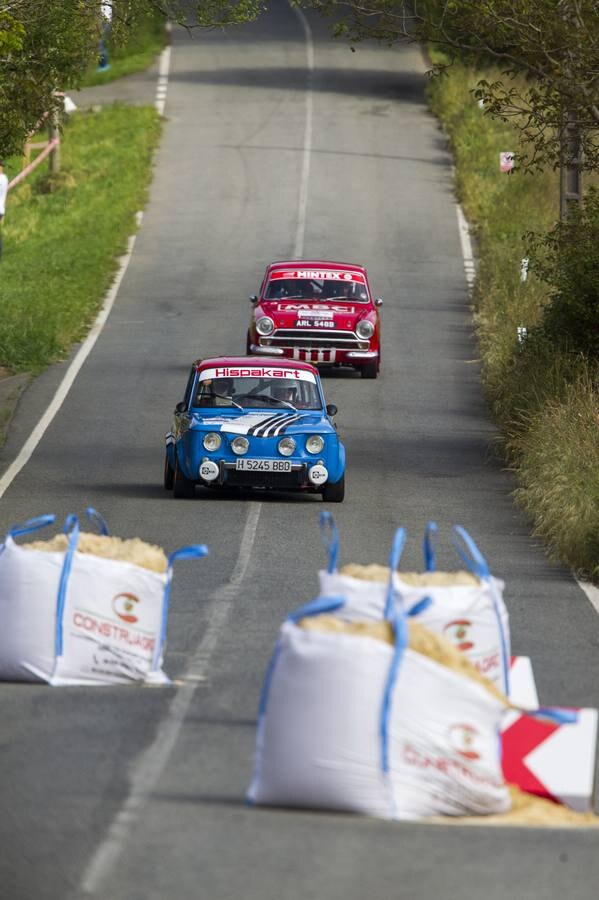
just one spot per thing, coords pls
(570, 174)
(53, 133)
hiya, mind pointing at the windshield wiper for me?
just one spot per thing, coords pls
(268, 399)
(224, 397)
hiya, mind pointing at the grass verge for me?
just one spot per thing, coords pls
(147, 39)
(60, 246)
(545, 400)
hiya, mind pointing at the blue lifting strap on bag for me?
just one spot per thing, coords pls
(430, 557)
(330, 539)
(71, 529)
(27, 527)
(193, 551)
(94, 516)
(31, 525)
(477, 564)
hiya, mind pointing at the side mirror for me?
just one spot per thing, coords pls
(253, 298)
(378, 301)
(181, 407)
(331, 409)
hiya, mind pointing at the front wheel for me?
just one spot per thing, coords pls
(169, 475)
(334, 493)
(183, 488)
(370, 370)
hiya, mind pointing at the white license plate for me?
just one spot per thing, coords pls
(263, 465)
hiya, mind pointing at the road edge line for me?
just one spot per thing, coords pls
(591, 592)
(60, 395)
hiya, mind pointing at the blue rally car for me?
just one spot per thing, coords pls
(254, 422)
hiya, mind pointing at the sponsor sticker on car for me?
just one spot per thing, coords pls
(318, 275)
(256, 372)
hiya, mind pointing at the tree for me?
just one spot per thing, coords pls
(47, 45)
(43, 46)
(567, 259)
(548, 51)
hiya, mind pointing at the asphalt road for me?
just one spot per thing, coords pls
(138, 794)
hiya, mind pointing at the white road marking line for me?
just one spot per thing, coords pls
(592, 593)
(147, 768)
(300, 234)
(161, 89)
(469, 267)
(467, 254)
(65, 385)
(67, 382)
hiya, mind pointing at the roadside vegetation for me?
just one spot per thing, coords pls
(543, 387)
(62, 236)
(144, 41)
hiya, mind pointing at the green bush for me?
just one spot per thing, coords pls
(568, 261)
(559, 473)
(544, 392)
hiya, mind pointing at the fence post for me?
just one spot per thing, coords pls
(53, 133)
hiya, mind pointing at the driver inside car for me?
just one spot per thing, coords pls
(285, 393)
(215, 392)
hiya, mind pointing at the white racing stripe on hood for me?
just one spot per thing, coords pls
(268, 428)
(242, 424)
(279, 427)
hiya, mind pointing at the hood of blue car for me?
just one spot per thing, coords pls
(264, 424)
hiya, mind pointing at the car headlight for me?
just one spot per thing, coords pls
(314, 443)
(265, 325)
(239, 445)
(212, 440)
(286, 446)
(365, 329)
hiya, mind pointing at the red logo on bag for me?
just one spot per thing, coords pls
(123, 605)
(463, 740)
(457, 631)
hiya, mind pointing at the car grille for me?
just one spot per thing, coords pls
(315, 337)
(280, 480)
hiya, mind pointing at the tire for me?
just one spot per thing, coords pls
(169, 475)
(183, 488)
(334, 493)
(370, 370)
(247, 345)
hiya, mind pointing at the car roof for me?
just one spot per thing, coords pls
(314, 264)
(255, 361)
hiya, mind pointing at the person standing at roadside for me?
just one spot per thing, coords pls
(3, 193)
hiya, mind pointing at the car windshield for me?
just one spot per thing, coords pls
(259, 391)
(330, 286)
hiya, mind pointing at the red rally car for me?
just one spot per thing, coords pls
(318, 311)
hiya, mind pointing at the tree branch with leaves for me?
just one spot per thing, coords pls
(547, 51)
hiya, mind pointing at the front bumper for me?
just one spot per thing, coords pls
(300, 477)
(256, 349)
(296, 478)
(318, 355)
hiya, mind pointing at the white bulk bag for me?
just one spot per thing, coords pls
(74, 618)
(352, 723)
(473, 616)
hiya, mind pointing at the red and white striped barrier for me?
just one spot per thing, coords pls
(545, 758)
(551, 760)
